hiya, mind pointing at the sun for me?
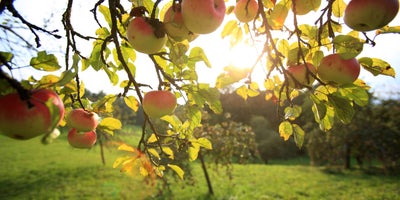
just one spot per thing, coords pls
(243, 55)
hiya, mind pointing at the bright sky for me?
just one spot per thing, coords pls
(217, 50)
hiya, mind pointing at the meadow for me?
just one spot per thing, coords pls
(31, 170)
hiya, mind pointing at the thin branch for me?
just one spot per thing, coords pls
(31, 26)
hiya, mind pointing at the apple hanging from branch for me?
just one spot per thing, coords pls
(159, 103)
(81, 140)
(368, 15)
(174, 26)
(82, 120)
(203, 16)
(26, 119)
(246, 10)
(302, 76)
(146, 35)
(334, 69)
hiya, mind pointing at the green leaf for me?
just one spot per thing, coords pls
(377, 66)
(329, 119)
(132, 103)
(6, 56)
(54, 114)
(343, 108)
(68, 75)
(177, 170)
(348, 46)
(173, 120)
(298, 134)
(45, 62)
(292, 112)
(319, 109)
(285, 130)
(294, 53)
(106, 14)
(228, 28)
(196, 55)
(112, 74)
(355, 93)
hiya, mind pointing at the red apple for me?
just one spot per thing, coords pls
(82, 120)
(20, 119)
(246, 10)
(367, 15)
(174, 25)
(334, 69)
(203, 16)
(146, 35)
(302, 76)
(82, 140)
(159, 103)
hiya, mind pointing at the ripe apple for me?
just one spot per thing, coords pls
(367, 15)
(303, 7)
(159, 103)
(333, 68)
(203, 16)
(146, 35)
(246, 10)
(82, 120)
(301, 74)
(174, 26)
(82, 140)
(25, 119)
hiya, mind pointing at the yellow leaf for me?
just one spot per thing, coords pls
(285, 130)
(125, 147)
(152, 138)
(177, 170)
(120, 160)
(168, 151)
(154, 152)
(132, 103)
(204, 142)
(110, 123)
(242, 92)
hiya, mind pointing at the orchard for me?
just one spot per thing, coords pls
(307, 49)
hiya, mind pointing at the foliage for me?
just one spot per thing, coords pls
(373, 136)
(233, 142)
(284, 41)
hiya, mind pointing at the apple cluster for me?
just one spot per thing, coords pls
(333, 69)
(182, 21)
(83, 124)
(26, 118)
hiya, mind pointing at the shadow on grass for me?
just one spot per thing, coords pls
(91, 182)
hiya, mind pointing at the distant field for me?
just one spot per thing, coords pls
(30, 170)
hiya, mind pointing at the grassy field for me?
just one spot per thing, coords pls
(30, 170)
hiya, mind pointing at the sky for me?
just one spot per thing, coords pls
(217, 50)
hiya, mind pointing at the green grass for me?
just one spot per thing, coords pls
(30, 170)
